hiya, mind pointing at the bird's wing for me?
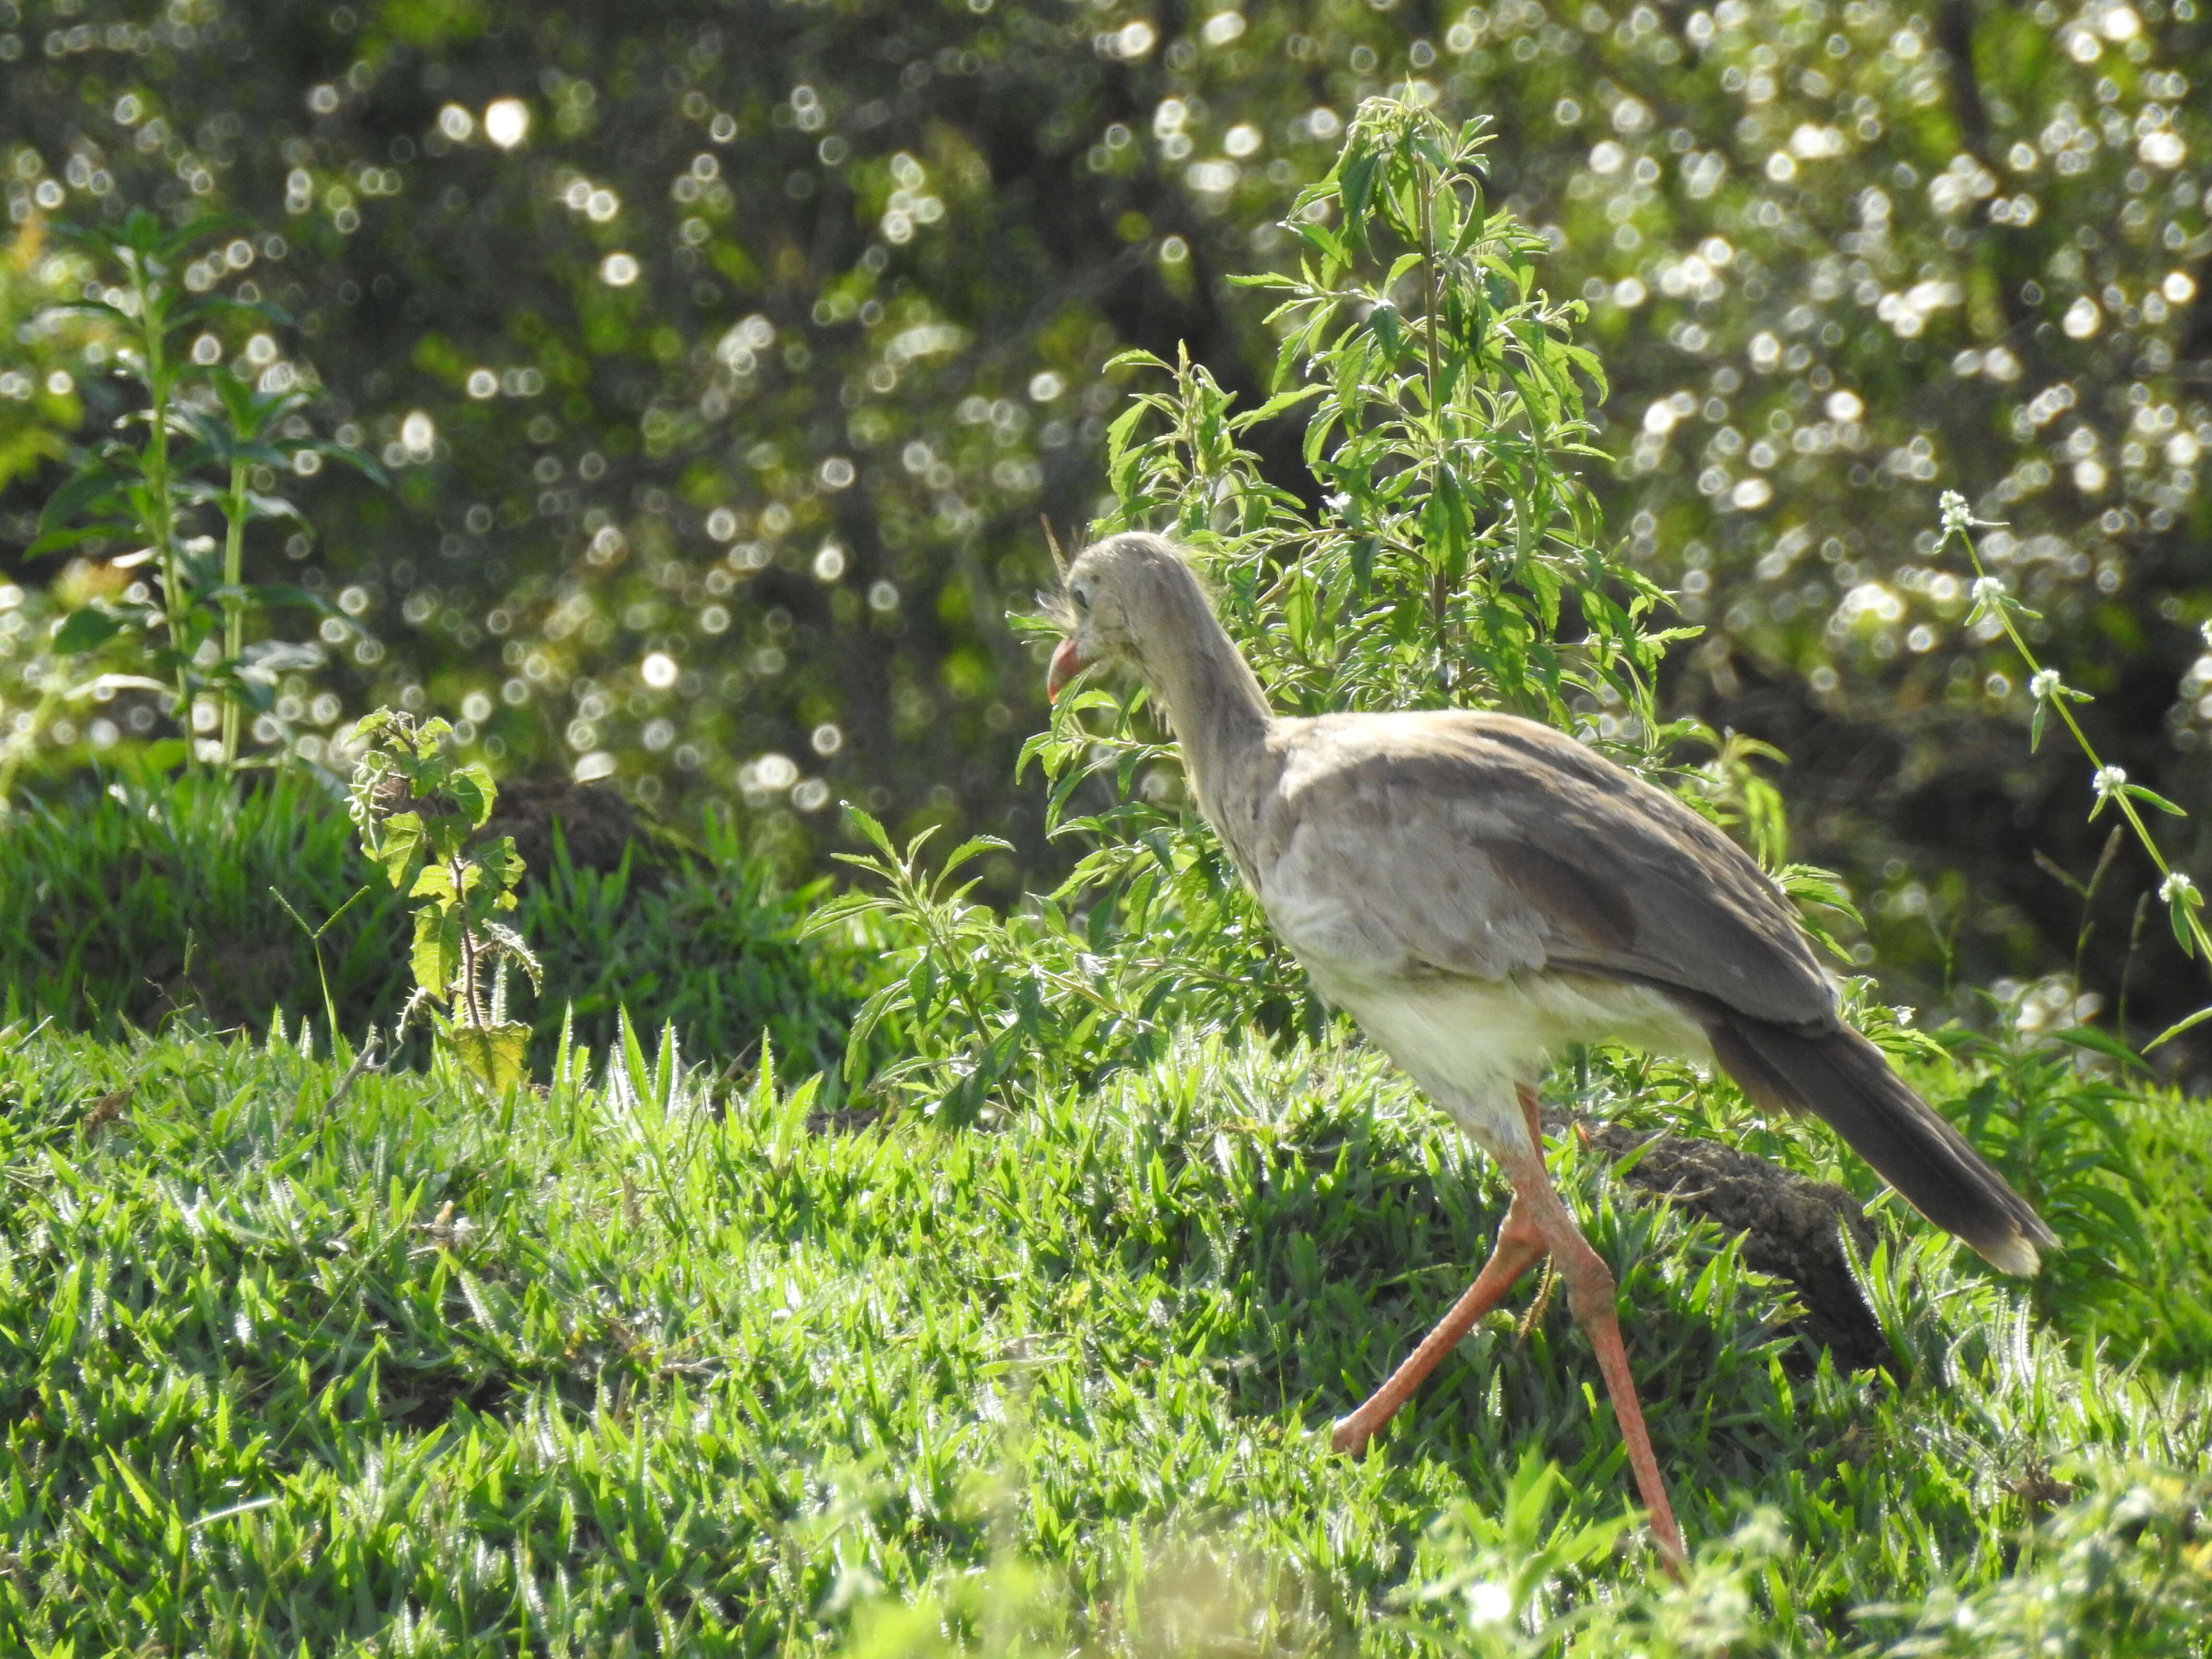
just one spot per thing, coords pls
(1483, 845)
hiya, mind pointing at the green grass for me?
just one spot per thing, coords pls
(133, 907)
(2169, 1320)
(631, 1366)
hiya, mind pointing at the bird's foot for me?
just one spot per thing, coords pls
(1350, 1436)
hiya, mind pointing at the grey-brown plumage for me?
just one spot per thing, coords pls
(1508, 849)
(1478, 890)
(1423, 855)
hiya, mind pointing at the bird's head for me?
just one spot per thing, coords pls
(1113, 599)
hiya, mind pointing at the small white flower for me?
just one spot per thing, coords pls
(1987, 589)
(1956, 514)
(2205, 629)
(2177, 886)
(2109, 781)
(2042, 684)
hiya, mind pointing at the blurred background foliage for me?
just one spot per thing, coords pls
(723, 357)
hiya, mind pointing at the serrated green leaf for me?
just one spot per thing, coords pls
(399, 844)
(433, 880)
(496, 1057)
(435, 955)
(473, 792)
(501, 861)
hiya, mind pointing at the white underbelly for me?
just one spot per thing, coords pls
(1469, 1043)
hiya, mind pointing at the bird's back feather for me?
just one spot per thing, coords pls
(1485, 844)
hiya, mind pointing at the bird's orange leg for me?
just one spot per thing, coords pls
(1590, 1294)
(1537, 1224)
(1520, 1246)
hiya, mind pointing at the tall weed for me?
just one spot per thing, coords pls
(163, 502)
(1450, 557)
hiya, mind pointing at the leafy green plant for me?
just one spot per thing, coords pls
(2165, 1314)
(971, 1002)
(1443, 400)
(946, 990)
(171, 490)
(2061, 1138)
(417, 809)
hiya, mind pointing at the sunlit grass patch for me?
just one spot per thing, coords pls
(716, 1369)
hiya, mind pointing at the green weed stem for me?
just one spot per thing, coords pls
(163, 524)
(2182, 899)
(234, 604)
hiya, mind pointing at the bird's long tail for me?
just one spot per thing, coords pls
(1844, 1078)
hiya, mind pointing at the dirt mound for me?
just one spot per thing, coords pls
(1790, 1226)
(597, 825)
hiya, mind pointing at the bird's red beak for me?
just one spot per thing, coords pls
(1067, 663)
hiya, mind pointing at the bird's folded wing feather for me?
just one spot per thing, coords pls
(1483, 845)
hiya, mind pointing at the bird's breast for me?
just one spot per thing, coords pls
(1469, 1042)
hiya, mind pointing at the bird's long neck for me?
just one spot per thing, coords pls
(1213, 699)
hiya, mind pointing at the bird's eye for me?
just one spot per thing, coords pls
(1082, 600)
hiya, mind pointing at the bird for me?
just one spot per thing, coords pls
(1479, 891)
